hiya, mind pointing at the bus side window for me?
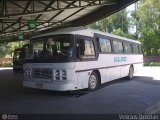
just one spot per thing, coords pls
(118, 47)
(127, 48)
(85, 48)
(104, 45)
(135, 49)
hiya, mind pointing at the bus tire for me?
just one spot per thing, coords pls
(93, 82)
(131, 72)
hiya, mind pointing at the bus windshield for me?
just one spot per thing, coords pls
(58, 47)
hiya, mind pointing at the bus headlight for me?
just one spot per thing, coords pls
(28, 73)
(57, 73)
(60, 75)
(64, 73)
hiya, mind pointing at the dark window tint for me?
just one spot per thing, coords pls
(51, 48)
(127, 48)
(118, 47)
(135, 49)
(140, 49)
(104, 45)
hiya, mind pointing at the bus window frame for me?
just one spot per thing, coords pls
(97, 36)
(126, 42)
(122, 46)
(46, 60)
(99, 46)
(78, 58)
(139, 52)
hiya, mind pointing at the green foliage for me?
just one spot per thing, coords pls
(146, 64)
(149, 13)
(150, 40)
(152, 64)
(118, 24)
(119, 32)
(8, 48)
(12, 46)
(93, 26)
(148, 24)
(2, 49)
(145, 19)
(111, 24)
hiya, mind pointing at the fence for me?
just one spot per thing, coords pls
(147, 59)
(151, 58)
(6, 62)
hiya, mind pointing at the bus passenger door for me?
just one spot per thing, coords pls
(85, 54)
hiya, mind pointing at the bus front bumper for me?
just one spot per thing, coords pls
(50, 86)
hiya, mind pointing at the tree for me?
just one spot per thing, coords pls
(8, 48)
(145, 20)
(148, 22)
(2, 49)
(118, 24)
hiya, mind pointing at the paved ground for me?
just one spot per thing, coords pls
(122, 96)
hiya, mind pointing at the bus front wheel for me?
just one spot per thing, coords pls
(93, 82)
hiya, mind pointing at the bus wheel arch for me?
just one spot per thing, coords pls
(94, 80)
(99, 76)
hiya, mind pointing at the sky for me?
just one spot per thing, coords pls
(131, 7)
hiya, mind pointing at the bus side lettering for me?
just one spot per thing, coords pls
(120, 59)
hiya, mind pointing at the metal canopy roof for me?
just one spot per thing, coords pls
(52, 14)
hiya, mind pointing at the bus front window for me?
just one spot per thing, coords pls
(36, 50)
(53, 47)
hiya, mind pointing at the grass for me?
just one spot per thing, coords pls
(152, 64)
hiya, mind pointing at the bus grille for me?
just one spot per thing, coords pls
(42, 73)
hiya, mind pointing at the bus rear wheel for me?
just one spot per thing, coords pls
(131, 72)
(93, 82)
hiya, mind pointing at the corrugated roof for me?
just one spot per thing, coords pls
(52, 14)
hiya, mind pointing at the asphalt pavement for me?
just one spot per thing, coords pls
(139, 95)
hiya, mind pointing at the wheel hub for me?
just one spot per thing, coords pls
(93, 81)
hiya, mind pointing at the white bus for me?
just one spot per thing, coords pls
(77, 58)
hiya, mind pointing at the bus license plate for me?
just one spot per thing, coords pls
(39, 85)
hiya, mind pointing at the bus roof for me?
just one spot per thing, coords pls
(85, 32)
